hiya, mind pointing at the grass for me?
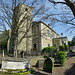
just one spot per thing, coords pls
(20, 72)
(17, 72)
(9, 73)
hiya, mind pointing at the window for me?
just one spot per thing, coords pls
(56, 36)
(48, 33)
(52, 35)
(38, 29)
(34, 45)
(48, 45)
(26, 9)
(34, 30)
(54, 45)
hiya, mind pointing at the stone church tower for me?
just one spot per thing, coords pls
(24, 22)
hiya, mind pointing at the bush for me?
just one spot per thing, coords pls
(45, 56)
(32, 71)
(0, 51)
(61, 48)
(62, 57)
(47, 49)
(70, 51)
(52, 48)
(66, 47)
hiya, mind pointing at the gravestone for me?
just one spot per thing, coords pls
(48, 65)
(40, 63)
(15, 63)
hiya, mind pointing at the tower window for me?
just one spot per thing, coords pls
(26, 9)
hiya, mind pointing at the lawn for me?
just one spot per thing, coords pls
(14, 72)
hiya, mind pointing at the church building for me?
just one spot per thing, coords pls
(33, 35)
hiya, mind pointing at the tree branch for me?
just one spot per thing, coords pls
(56, 2)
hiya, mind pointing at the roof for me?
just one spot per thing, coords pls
(46, 25)
(60, 38)
(24, 5)
(20, 4)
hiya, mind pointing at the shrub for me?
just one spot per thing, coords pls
(0, 51)
(52, 48)
(66, 47)
(61, 48)
(45, 56)
(47, 49)
(32, 71)
(62, 57)
(70, 50)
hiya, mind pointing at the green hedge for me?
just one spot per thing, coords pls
(70, 51)
(47, 49)
(32, 71)
(62, 57)
(61, 48)
(66, 47)
(46, 56)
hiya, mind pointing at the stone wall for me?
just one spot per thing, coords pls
(25, 28)
(45, 38)
(36, 36)
(40, 36)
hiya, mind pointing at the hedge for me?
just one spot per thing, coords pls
(66, 47)
(62, 57)
(47, 49)
(46, 56)
(70, 51)
(61, 48)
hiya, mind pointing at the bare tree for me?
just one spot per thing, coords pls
(9, 19)
(67, 17)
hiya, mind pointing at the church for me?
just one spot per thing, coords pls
(33, 35)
